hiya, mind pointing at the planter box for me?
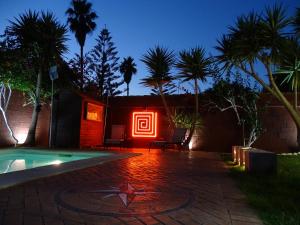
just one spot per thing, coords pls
(241, 154)
(238, 154)
(257, 160)
(235, 153)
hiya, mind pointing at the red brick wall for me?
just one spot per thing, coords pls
(220, 130)
(280, 131)
(19, 117)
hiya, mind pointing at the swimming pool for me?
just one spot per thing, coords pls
(15, 160)
(22, 165)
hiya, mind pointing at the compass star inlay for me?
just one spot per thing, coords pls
(125, 192)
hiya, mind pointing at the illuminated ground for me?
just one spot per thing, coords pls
(155, 188)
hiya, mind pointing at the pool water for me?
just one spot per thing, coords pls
(15, 160)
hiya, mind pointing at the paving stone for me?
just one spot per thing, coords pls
(252, 219)
(32, 203)
(149, 220)
(238, 222)
(52, 221)
(171, 187)
(32, 220)
(13, 218)
(164, 219)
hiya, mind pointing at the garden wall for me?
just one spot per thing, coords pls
(220, 130)
(19, 117)
(219, 133)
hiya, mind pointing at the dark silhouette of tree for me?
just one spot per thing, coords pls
(81, 19)
(194, 66)
(41, 39)
(259, 39)
(168, 89)
(237, 94)
(296, 22)
(105, 65)
(75, 65)
(128, 68)
(159, 62)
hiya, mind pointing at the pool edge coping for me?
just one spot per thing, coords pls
(20, 177)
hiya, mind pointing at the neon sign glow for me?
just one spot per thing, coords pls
(144, 124)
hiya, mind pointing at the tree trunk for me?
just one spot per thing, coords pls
(165, 105)
(196, 97)
(81, 67)
(30, 139)
(4, 101)
(189, 137)
(192, 129)
(127, 89)
(8, 126)
(296, 108)
(296, 93)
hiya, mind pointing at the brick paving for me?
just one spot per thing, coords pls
(155, 188)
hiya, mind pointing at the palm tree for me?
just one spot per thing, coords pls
(128, 68)
(159, 62)
(296, 22)
(259, 39)
(43, 38)
(194, 66)
(290, 67)
(81, 20)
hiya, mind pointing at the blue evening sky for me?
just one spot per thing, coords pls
(137, 25)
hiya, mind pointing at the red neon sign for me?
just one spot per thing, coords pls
(144, 124)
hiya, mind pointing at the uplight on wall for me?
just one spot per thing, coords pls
(144, 124)
(21, 135)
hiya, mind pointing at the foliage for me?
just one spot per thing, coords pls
(238, 95)
(33, 41)
(75, 65)
(296, 22)
(128, 68)
(194, 64)
(187, 120)
(289, 68)
(38, 39)
(260, 39)
(275, 197)
(105, 65)
(159, 62)
(81, 20)
(168, 88)
(15, 69)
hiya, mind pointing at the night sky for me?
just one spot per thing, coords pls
(137, 25)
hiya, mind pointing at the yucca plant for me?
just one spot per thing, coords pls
(159, 62)
(43, 38)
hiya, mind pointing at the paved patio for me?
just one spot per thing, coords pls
(154, 188)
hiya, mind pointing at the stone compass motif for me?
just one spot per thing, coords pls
(125, 199)
(125, 192)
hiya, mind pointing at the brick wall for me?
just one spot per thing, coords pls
(220, 130)
(280, 133)
(19, 117)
